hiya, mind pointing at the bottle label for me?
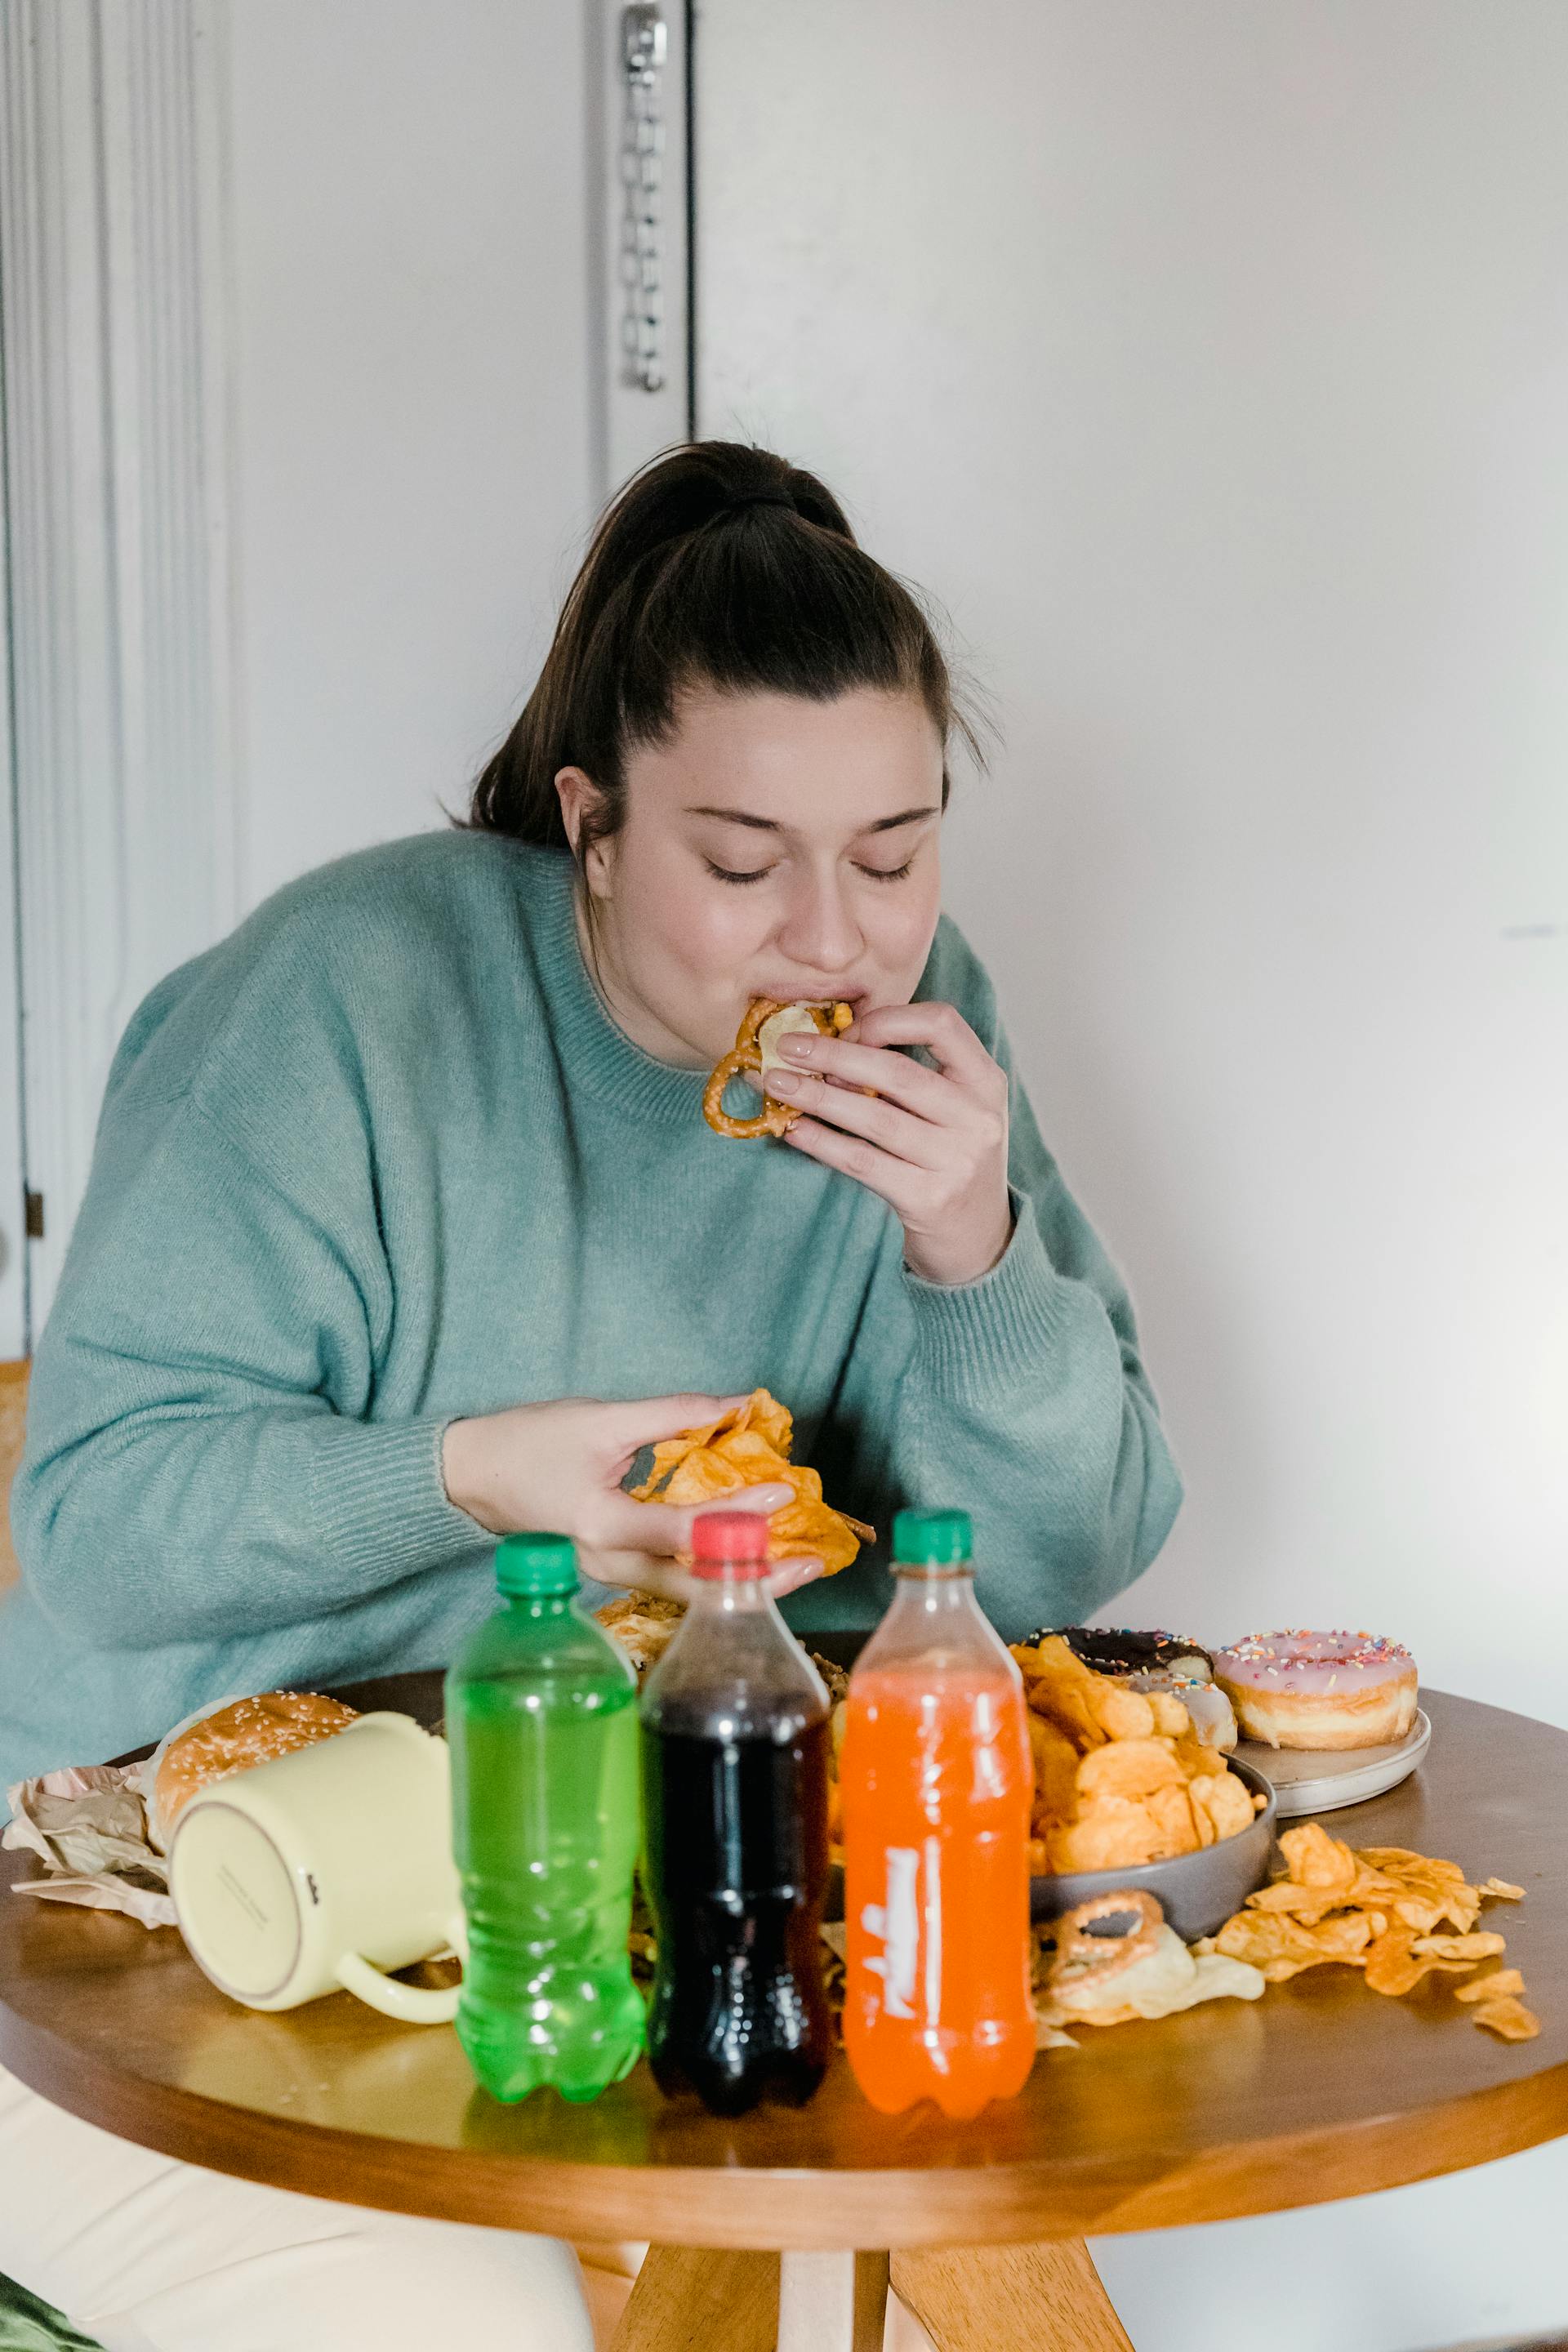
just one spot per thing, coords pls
(896, 1926)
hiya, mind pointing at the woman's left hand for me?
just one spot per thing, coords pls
(933, 1143)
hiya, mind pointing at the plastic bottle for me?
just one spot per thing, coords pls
(735, 1801)
(541, 1721)
(935, 1781)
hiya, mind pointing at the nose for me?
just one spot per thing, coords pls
(818, 932)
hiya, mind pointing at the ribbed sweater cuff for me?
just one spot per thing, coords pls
(975, 1338)
(382, 1504)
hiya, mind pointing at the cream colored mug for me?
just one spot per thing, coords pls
(325, 1868)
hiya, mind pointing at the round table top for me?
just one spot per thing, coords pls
(1321, 2089)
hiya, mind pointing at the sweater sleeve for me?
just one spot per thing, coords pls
(201, 1457)
(1021, 1397)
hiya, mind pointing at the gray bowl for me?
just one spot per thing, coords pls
(1197, 1892)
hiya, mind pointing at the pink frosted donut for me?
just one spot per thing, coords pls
(1301, 1689)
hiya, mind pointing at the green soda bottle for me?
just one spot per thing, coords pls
(542, 1720)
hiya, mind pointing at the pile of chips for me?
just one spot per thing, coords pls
(1121, 1776)
(1380, 1909)
(750, 1448)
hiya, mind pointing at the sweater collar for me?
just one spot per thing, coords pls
(599, 1055)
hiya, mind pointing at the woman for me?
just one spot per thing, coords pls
(404, 1226)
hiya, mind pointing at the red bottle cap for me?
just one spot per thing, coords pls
(729, 1542)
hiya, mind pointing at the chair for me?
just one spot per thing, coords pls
(27, 2324)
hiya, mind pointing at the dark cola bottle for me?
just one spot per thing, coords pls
(735, 1755)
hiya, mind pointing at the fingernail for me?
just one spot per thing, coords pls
(783, 1082)
(799, 1048)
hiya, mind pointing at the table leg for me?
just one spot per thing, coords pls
(696, 2299)
(832, 2302)
(701, 2299)
(1039, 2298)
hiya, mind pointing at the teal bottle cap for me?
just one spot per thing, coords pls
(932, 1540)
(536, 1564)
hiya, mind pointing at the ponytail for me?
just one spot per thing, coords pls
(717, 565)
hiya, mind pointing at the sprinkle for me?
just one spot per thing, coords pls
(1299, 1645)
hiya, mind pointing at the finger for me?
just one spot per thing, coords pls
(892, 1076)
(636, 1571)
(616, 1523)
(645, 1420)
(790, 1575)
(747, 1498)
(897, 1182)
(941, 1029)
(901, 1132)
(641, 1571)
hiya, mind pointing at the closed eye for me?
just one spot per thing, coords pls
(741, 876)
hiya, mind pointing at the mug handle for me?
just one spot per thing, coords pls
(410, 2004)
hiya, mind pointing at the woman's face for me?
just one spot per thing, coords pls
(772, 847)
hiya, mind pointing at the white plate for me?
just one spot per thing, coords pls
(1319, 1780)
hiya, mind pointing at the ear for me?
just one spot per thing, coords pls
(579, 795)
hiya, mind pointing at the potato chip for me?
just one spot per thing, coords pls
(1223, 1802)
(1377, 1908)
(1092, 1706)
(1394, 1965)
(1459, 1905)
(1171, 1815)
(1389, 1966)
(1461, 1947)
(1118, 1835)
(1499, 1890)
(1199, 1761)
(750, 1448)
(1281, 1946)
(1284, 1894)
(1129, 1768)
(1172, 1720)
(1400, 1862)
(1491, 1988)
(1056, 1762)
(1508, 2017)
(1118, 1773)
(1316, 1859)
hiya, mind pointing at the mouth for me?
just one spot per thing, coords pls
(854, 997)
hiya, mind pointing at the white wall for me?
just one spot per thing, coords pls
(1212, 362)
(412, 335)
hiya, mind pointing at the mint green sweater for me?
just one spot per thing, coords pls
(382, 1160)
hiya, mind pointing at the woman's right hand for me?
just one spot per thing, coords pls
(560, 1465)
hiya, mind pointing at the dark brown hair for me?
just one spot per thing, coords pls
(719, 565)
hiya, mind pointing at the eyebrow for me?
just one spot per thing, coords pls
(770, 825)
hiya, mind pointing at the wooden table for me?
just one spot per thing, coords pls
(1320, 2090)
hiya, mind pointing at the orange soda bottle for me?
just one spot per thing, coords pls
(936, 1782)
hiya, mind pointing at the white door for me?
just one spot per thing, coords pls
(13, 1171)
(1209, 364)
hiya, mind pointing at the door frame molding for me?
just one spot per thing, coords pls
(115, 282)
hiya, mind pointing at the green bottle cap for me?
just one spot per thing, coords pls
(932, 1540)
(533, 1564)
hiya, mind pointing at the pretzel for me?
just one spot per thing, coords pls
(1082, 1957)
(745, 1057)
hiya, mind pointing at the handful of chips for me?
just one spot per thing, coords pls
(750, 1448)
(1121, 1776)
(1379, 1909)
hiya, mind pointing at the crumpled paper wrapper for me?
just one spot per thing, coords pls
(88, 1826)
